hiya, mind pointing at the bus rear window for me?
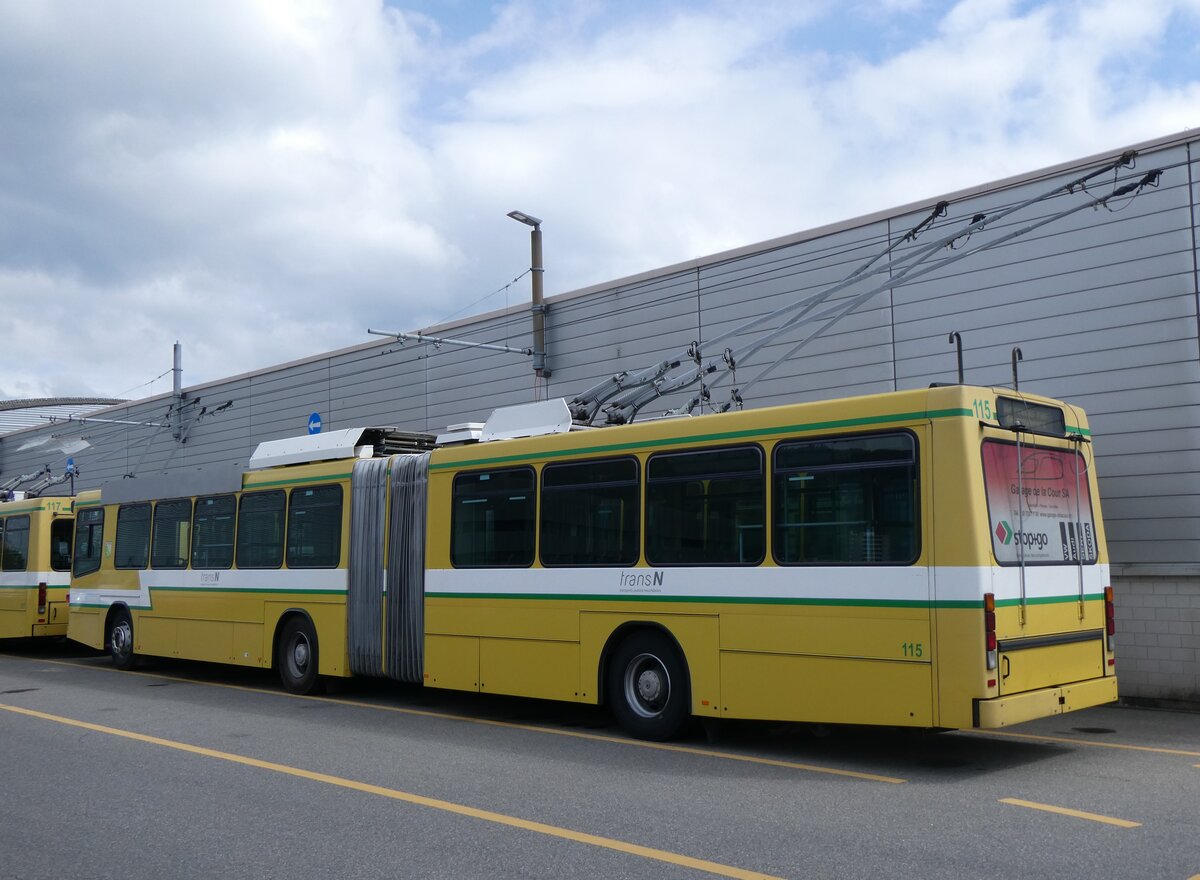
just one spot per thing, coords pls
(1039, 505)
(16, 543)
(1037, 418)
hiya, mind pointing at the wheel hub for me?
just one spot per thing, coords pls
(650, 685)
(647, 685)
(121, 638)
(300, 654)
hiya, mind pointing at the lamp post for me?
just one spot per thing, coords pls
(539, 307)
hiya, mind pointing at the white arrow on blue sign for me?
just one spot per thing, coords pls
(314, 423)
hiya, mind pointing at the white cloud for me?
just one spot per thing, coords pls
(265, 180)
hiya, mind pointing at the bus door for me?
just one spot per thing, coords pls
(1048, 590)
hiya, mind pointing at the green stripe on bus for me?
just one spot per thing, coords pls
(296, 481)
(705, 438)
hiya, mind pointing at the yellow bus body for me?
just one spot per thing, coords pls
(802, 659)
(898, 644)
(33, 591)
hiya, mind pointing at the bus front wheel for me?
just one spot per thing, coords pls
(648, 686)
(297, 657)
(120, 639)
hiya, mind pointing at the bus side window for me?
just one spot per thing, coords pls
(590, 513)
(213, 530)
(846, 501)
(16, 543)
(260, 529)
(172, 534)
(706, 507)
(314, 530)
(89, 538)
(133, 536)
(492, 519)
(60, 544)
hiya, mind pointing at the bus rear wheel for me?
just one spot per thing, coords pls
(297, 657)
(120, 639)
(648, 686)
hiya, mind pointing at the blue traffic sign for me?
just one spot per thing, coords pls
(71, 466)
(314, 423)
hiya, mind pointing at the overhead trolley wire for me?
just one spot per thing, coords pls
(630, 391)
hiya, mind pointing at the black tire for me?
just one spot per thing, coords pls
(297, 657)
(648, 687)
(120, 639)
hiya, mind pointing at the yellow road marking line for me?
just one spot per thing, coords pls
(621, 846)
(512, 725)
(1066, 811)
(1083, 742)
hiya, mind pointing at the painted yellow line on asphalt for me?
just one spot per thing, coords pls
(621, 846)
(512, 725)
(1066, 811)
(1083, 742)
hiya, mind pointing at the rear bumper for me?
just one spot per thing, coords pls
(49, 629)
(1013, 709)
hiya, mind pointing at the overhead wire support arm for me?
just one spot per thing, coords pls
(463, 343)
(90, 419)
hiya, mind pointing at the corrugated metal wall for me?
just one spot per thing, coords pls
(1103, 305)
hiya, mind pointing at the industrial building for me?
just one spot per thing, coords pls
(1095, 284)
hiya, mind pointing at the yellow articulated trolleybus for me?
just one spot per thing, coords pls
(928, 558)
(35, 566)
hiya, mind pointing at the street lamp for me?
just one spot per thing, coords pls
(539, 307)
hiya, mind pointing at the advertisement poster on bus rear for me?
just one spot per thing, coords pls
(1041, 511)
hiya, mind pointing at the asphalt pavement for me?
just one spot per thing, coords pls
(182, 770)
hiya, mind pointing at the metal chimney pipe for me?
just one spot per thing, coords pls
(177, 407)
(538, 307)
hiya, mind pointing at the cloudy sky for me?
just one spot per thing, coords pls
(265, 180)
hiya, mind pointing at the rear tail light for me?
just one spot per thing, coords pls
(1110, 618)
(42, 598)
(989, 629)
